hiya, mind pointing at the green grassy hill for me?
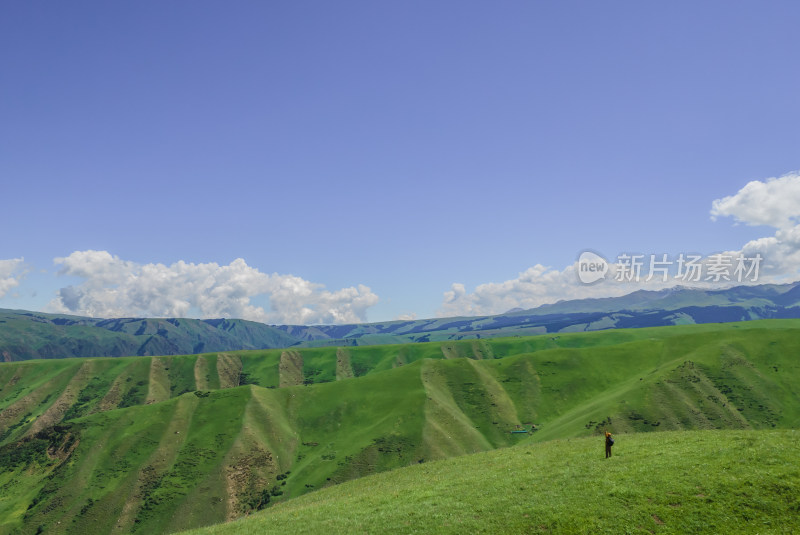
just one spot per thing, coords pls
(157, 444)
(678, 482)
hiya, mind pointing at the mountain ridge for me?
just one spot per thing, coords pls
(27, 335)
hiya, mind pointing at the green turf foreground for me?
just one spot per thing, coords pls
(668, 482)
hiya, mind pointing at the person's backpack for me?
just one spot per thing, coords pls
(610, 441)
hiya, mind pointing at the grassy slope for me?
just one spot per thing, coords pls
(197, 458)
(679, 482)
(570, 367)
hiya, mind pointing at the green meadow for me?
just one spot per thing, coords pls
(162, 444)
(671, 482)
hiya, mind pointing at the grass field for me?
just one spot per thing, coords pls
(672, 482)
(159, 444)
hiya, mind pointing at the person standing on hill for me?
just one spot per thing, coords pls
(609, 443)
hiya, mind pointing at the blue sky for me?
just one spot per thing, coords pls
(360, 158)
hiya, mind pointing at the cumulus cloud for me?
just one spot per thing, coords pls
(113, 287)
(540, 285)
(774, 202)
(12, 272)
(537, 285)
(781, 254)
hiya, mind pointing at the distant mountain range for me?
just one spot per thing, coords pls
(30, 335)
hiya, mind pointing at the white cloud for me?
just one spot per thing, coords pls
(406, 317)
(781, 254)
(12, 272)
(774, 202)
(538, 285)
(113, 287)
(541, 285)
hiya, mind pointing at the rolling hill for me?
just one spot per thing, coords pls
(158, 444)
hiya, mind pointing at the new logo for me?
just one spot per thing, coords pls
(591, 267)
